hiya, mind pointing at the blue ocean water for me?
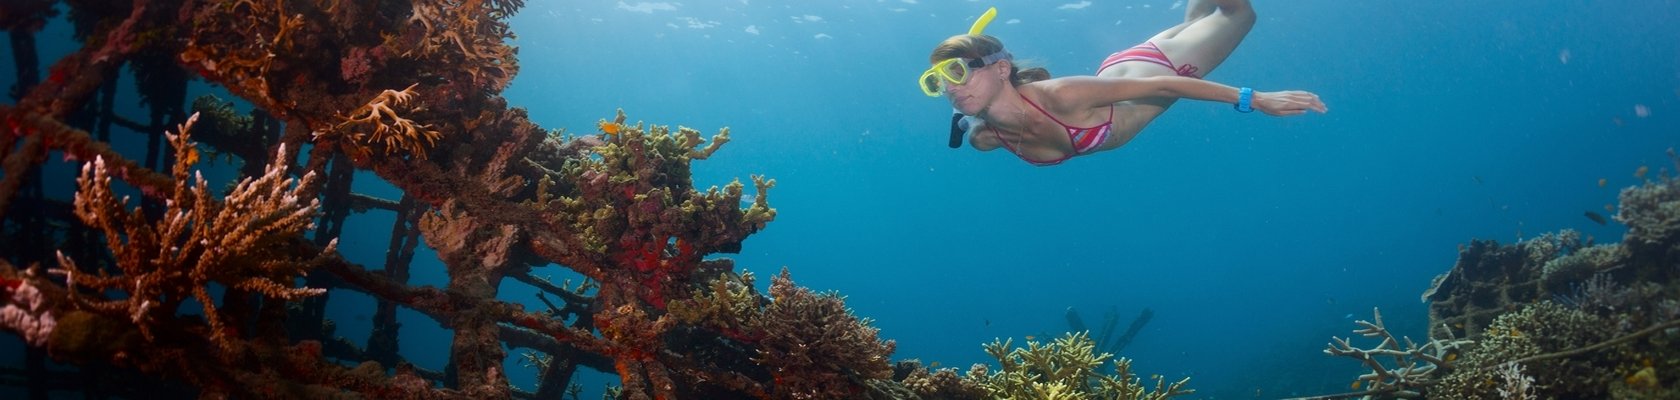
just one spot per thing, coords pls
(1253, 239)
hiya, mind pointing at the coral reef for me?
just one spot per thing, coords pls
(1554, 317)
(236, 242)
(1066, 368)
(1411, 366)
(203, 290)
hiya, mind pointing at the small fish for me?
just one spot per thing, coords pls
(1602, 182)
(933, 365)
(1030, 337)
(1355, 385)
(1609, 208)
(1595, 217)
(1476, 178)
(610, 128)
(1451, 356)
(1640, 173)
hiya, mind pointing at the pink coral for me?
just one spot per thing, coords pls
(25, 312)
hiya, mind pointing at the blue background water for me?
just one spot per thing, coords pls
(1254, 239)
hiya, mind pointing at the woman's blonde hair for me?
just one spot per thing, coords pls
(978, 46)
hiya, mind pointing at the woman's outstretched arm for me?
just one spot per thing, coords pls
(1095, 91)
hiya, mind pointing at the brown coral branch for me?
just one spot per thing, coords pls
(377, 125)
(199, 240)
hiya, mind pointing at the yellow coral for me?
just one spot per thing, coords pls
(1644, 380)
(1061, 369)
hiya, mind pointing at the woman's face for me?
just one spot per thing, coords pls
(976, 93)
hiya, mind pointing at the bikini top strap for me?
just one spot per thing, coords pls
(1041, 109)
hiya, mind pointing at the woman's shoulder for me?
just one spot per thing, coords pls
(1053, 94)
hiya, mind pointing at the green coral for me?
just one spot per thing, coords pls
(1067, 368)
(635, 186)
(1536, 329)
(730, 306)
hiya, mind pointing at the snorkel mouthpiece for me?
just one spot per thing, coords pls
(958, 125)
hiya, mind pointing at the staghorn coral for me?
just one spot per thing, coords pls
(1410, 367)
(234, 241)
(1066, 368)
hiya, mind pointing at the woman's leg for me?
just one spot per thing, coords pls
(1210, 32)
(1208, 37)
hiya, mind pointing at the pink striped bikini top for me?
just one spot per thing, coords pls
(1084, 139)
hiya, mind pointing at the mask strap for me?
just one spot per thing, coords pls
(995, 57)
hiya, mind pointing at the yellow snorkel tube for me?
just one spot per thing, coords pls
(980, 24)
(959, 125)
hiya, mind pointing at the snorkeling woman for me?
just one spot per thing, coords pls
(1047, 121)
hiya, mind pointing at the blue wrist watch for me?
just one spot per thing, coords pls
(1245, 100)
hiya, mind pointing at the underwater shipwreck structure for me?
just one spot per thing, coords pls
(145, 279)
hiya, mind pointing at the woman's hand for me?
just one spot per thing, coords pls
(1288, 102)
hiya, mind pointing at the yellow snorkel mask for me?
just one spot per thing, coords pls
(954, 71)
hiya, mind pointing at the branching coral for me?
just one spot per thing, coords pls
(633, 207)
(470, 33)
(1067, 368)
(731, 307)
(238, 42)
(814, 347)
(235, 241)
(1409, 368)
(377, 126)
